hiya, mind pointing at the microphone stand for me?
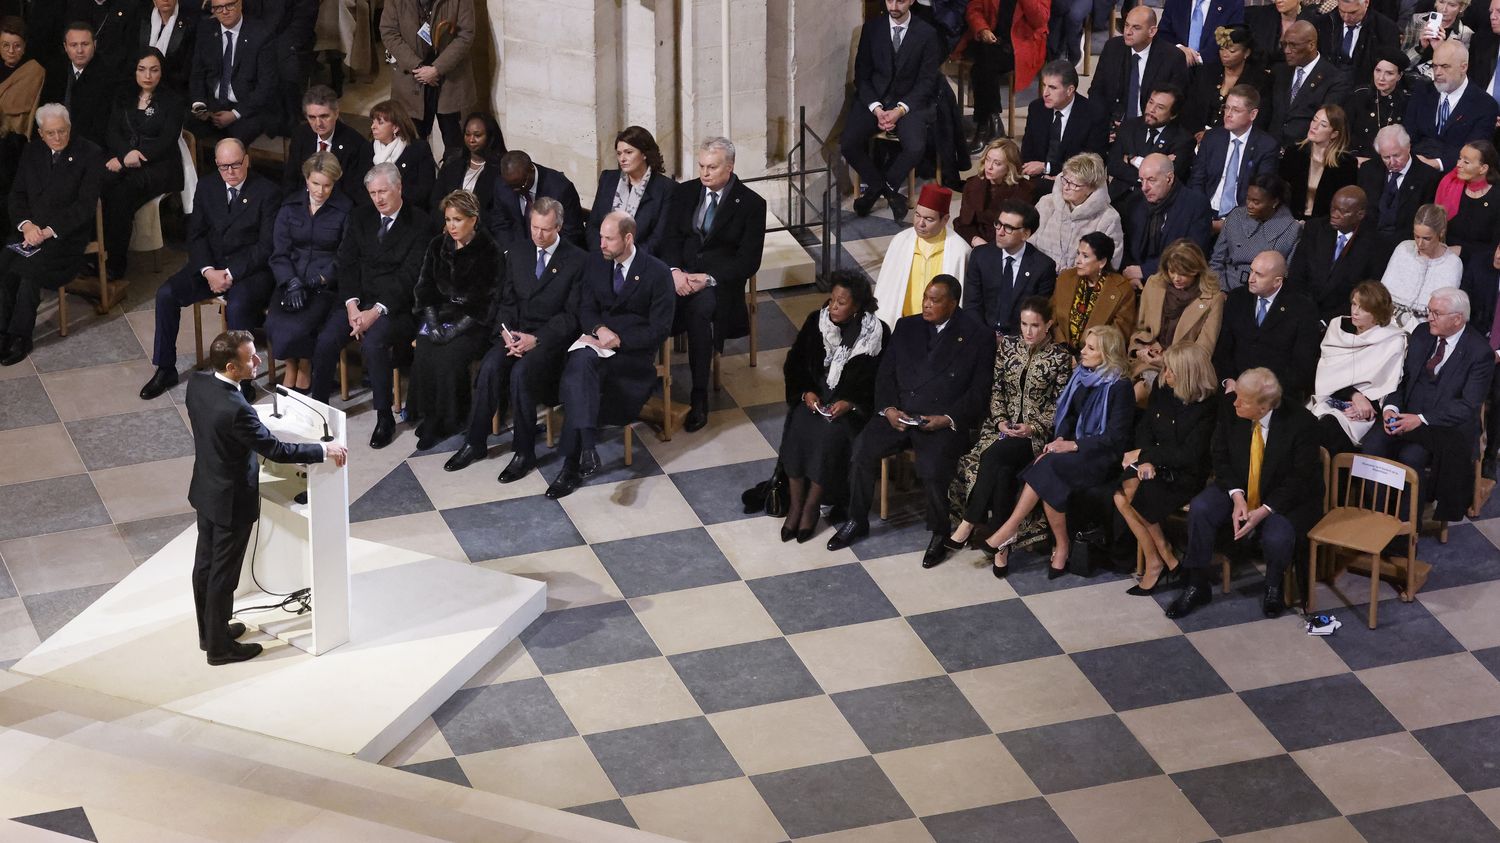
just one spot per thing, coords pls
(281, 390)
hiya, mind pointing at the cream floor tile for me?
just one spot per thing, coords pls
(110, 825)
(558, 774)
(1036, 692)
(1268, 652)
(730, 811)
(95, 391)
(1201, 733)
(1471, 613)
(475, 484)
(1116, 813)
(869, 252)
(76, 558)
(729, 438)
(425, 743)
(865, 655)
(423, 532)
(37, 453)
(620, 696)
(1113, 618)
(17, 635)
(964, 580)
(1332, 830)
(797, 308)
(1436, 691)
(755, 550)
(786, 735)
(510, 664)
(904, 831)
(332, 826)
(701, 618)
(1488, 802)
(574, 575)
(629, 508)
(956, 775)
(763, 384)
(147, 490)
(1375, 773)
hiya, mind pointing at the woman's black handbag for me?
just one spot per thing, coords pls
(768, 496)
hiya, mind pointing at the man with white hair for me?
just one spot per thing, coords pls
(1395, 185)
(1450, 112)
(1433, 417)
(52, 205)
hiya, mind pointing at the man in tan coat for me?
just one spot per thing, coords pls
(432, 76)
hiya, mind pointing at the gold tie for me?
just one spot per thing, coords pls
(1257, 453)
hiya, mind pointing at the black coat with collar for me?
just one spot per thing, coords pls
(1314, 273)
(1286, 343)
(1188, 214)
(418, 177)
(1463, 383)
(502, 216)
(990, 300)
(642, 317)
(547, 306)
(61, 196)
(1165, 65)
(450, 177)
(93, 95)
(804, 371)
(650, 216)
(730, 252)
(460, 283)
(240, 238)
(347, 145)
(179, 56)
(253, 74)
(1377, 33)
(1417, 189)
(155, 136)
(1291, 473)
(1472, 119)
(952, 378)
(1287, 119)
(1296, 165)
(114, 24)
(912, 76)
(1131, 142)
(1480, 281)
(1261, 155)
(1087, 130)
(371, 269)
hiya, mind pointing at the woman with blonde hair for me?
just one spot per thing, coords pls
(999, 179)
(1182, 302)
(1360, 365)
(1420, 265)
(394, 138)
(1319, 164)
(1077, 205)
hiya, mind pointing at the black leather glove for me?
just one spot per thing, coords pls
(446, 333)
(430, 322)
(295, 296)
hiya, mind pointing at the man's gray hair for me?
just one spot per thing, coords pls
(385, 169)
(1454, 299)
(1394, 132)
(719, 144)
(51, 110)
(547, 206)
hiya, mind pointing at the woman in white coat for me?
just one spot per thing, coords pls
(1360, 365)
(1077, 205)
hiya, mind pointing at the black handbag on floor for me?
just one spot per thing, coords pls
(768, 496)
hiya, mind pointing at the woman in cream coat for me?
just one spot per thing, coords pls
(1360, 364)
(1077, 205)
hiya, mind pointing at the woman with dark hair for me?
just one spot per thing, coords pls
(20, 78)
(1319, 165)
(640, 187)
(1263, 223)
(830, 386)
(1203, 107)
(1474, 220)
(1268, 24)
(1181, 302)
(394, 138)
(1090, 293)
(1379, 102)
(144, 161)
(474, 166)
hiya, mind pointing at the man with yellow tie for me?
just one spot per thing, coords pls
(919, 254)
(1268, 480)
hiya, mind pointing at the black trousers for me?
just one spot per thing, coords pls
(995, 486)
(1211, 511)
(991, 62)
(937, 461)
(216, 574)
(377, 349)
(583, 378)
(123, 194)
(860, 127)
(23, 279)
(1446, 449)
(695, 316)
(449, 125)
(246, 300)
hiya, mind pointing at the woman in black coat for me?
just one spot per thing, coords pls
(640, 188)
(830, 385)
(476, 166)
(1378, 102)
(143, 159)
(1169, 464)
(1320, 165)
(394, 139)
(455, 292)
(1203, 106)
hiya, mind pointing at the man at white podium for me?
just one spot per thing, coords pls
(225, 490)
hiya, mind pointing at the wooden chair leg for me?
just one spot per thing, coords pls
(1224, 568)
(62, 310)
(549, 420)
(198, 332)
(1312, 574)
(1011, 108)
(344, 373)
(1374, 586)
(1140, 561)
(885, 488)
(396, 390)
(629, 445)
(1088, 44)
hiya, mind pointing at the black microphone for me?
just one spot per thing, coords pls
(281, 390)
(275, 406)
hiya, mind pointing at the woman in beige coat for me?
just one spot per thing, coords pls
(431, 77)
(1078, 204)
(1182, 302)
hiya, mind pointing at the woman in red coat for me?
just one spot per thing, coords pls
(994, 56)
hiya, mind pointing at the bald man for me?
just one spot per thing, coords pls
(1335, 253)
(1450, 112)
(1266, 324)
(1132, 66)
(1301, 86)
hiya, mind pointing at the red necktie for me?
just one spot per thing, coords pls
(1437, 357)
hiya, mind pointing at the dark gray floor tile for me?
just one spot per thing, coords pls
(1079, 753)
(678, 753)
(831, 797)
(443, 769)
(1490, 659)
(611, 448)
(611, 811)
(1148, 673)
(1407, 632)
(1467, 751)
(52, 611)
(587, 636)
(145, 538)
(984, 635)
(665, 562)
(1029, 573)
(511, 528)
(1453, 820)
(397, 493)
(770, 420)
(809, 600)
(71, 822)
(1254, 795)
(131, 438)
(772, 330)
(1026, 821)
(906, 714)
(497, 716)
(1467, 558)
(99, 343)
(1318, 712)
(743, 675)
(50, 506)
(714, 493)
(24, 403)
(904, 532)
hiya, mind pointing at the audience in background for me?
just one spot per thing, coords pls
(472, 167)
(21, 78)
(393, 140)
(1474, 218)
(1263, 223)
(321, 129)
(519, 185)
(1378, 102)
(919, 254)
(143, 159)
(1271, 326)
(432, 73)
(1395, 185)
(1319, 165)
(1335, 253)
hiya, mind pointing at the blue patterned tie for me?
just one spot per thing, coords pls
(1442, 115)
(1338, 248)
(1260, 311)
(541, 262)
(1229, 197)
(1195, 27)
(1296, 83)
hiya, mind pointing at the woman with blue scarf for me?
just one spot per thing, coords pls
(1094, 424)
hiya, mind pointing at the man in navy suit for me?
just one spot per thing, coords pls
(1060, 124)
(1132, 65)
(1169, 212)
(1303, 85)
(521, 183)
(897, 70)
(1266, 324)
(229, 255)
(1190, 25)
(233, 83)
(1450, 112)
(1236, 140)
(1003, 274)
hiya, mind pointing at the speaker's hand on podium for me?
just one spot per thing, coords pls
(337, 453)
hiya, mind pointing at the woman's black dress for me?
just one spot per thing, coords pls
(306, 249)
(1476, 226)
(1056, 476)
(1174, 438)
(812, 446)
(154, 132)
(460, 286)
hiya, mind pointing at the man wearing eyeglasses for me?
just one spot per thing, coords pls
(233, 85)
(229, 253)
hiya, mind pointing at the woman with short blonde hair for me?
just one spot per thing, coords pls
(1078, 204)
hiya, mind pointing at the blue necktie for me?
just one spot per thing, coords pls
(1229, 197)
(1495, 83)
(541, 262)
(1348, 47)
(1195, 27)
(1442, 115)
(1296, 83)
(1260, 311)
(1338, 248)
(709, 212)
(385, 226)
(619, 278)
(1133, 95)
(226, 69)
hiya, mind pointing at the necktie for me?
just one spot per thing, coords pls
(1388, 201)
(526, 206)
(709, 212)
(1338, 247)
(1133, 94)
(1195, 26)
(226, 69)
(322, 146)
(234, 193)
(1152, 136)
(55, 156)
(1260, 310)
(1348, 46)
(1436, 359)
(896, 34)
(1257, 454)
(541, 262)
(1229, 197)
(1442, 115)
(1296, 83)
(1054, 143)
(619, 278)
(385, 226)
(1495, 83)
(1009, 273)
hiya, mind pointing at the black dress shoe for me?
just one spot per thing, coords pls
(588, 463)
(697, 418)
(937, 551)
(897, 203)
(237, 653)
(566, 483)
(1000, 571)
(18, 350)
(163, 380)
(866, 202)
(1272, 604)
(236, 629)
(848, 533)
(1191, 598)
(517, 468)
(1054, 573)
(385, 428)
(427, 440)
(464, 457)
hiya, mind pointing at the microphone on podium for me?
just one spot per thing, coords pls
(281, 390)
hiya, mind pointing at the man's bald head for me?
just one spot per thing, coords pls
(1140, 27)
(1157, 177)
(1267, 273)
(1450, 65)
(1299, 44)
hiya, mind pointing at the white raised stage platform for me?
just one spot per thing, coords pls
(419, 629)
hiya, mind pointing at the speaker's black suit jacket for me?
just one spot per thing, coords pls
(252, 75)
(93, 94)
(650, 215)
(996, 304)
(237, 238)
(1286, 118)
(502, 216)
(1314, 273)
(1417, 189)
(371, 269)
(1087, 130)
(1286, 342)
(347, 145)
(642, 317)
(1165, 65)
(1291, 474)
(953, 378)
(1377, 33)
(730, 251)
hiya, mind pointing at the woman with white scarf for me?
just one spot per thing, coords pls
(830, 385)
(394, 137)
(1360, 365)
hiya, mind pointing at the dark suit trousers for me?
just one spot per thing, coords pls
(527, 389)
(448, 124)
(245, 130)
(583, 376)
(376, 349)
(491, 392)
(1446, 449)
(247, 299)
(937, 461)
(1211, 511)
(994, 493)
(991, 62)
(216, 574)
(695, 316)
(855, 145)
(23, 279)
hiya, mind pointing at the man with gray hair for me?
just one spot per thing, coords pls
(52, 207)
(1450, 112)
(321, 130)
(1432, 419)
(1395, 185)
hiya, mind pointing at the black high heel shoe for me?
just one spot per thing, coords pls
(787, 533)
(1054, 573)
(950, 544)
(1165, 581)
(806, 533)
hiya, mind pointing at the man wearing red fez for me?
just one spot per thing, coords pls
(928, 249)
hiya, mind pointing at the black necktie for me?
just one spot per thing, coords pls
(55, 155)
(226, 68)
(234, 193)
(1054, 144)
(1388, 201)
(68, 91)
(1133, 93)
(1009, 273)
(1152, 135)
(385, 226)
(619, 278)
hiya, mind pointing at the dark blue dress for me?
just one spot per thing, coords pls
(306, 248)
(1056, 476)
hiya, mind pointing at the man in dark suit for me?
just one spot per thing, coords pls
(378, 263)
(1433, 417)
(173, 30)
(625, 307)
(1268, 325)
(1156, 130)
(1335, 253)
(1353, 37)
(225, 489)
(1132, 65)
(113, 23)
(294, 25)
(520, 184)
(897, 71)
(1167, 212)
(1190, 25)
(82, 84)
(716, 230)
(1303, 85)
(52, 206)
(536, 319)
(1237, 140)
(321, 130)
(1001, 275)
(1395, 186)
(1060, 124)
(1267, 477)
(1484, 70)
(932, 389)
(1450, 112)
(229, 255)
(233, 84)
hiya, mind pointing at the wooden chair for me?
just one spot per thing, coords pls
(109, 293)
(1483, 486)
(1366, 518)
(215, 302)
(344, 381)
(661, 410)
(889, 466)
